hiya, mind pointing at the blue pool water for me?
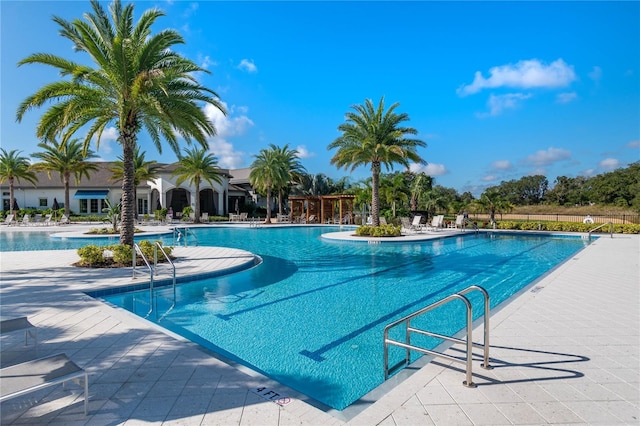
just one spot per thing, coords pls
(42, 240)
(312, 314)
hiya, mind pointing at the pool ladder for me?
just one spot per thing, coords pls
(602, 226)
(153, 270)
(468, 342)
(181, 235)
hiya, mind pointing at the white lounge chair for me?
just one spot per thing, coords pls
(459, 223)
(204, 217)
(436, 223)
(30, 376)
(64, 220)
(415, 223)
(9, 220)
(47, 219)
(26, 220)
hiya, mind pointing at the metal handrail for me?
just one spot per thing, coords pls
(469, 331)
(473, 225)
(136, 249)
(179, 235)
(166, 256)
(602, 226)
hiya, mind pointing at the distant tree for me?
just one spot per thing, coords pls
(140, 81)
(394, 190)
(268, 172)
(14, 167)
(434, 200)
(66, 158)
(420, 185)
(372, 136)
(196, 166)
(142, 171)
(491, 201)
(294, 171)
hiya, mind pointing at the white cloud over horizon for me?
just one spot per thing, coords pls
(609, 164)
(524, 74)
(430, 169)
(566, 97)
(303, 152)
(498, 103)
(501, 165)
(549, 156)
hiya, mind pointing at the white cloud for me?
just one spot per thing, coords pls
(595, 74)
(551, 155)
(109, 135)
(489, 178)
(248, 66)
(303, 152)
(566, 97)
(226, 127)
(588, 172)
(208, 62)
(501, 165)
(634, 144)
(498, 103)
(609, 164)
(429, 169)
(524, 74)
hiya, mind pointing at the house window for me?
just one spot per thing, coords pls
(43, 202)
(83, 206)
(143, 206)
(94, 205)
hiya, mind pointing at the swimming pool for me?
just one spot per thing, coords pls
(42, 240)
(311, 316)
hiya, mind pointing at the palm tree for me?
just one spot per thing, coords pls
(268, 172)
(142, 172)
(14, 167)
(491, 201)
(420, 185)
(295, 171)
(66, 158)
(139, 82)
(372, 136)
(394, 190)
(196, 166)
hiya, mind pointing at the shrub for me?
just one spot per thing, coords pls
(379, 231)
(91, 256)
(122, 254)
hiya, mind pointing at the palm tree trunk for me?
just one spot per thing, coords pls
(12, 200)
(67, 199)
(375, 193)
(128, 186)
(196, 219)
(268, 218)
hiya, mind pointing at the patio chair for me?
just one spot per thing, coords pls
(459, 223)
(383, 220)
(10, 325)
(30, 376)
(415, 223)
(9, 220)
(436, 223)
(312, 219)
(204, 217)
(26, 220)
(64, 220)
(37, 220)
(244, 217)
(47, 219)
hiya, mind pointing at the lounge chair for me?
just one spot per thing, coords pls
(415, 223)
(64, 220)
(244, 217)
(11, 325)
(37, 220)
(47, 219)
(459, 223)
(312, 219)
(436, 223)
(37, 374)
(9, 220)
(26, 220)
(383, 220)
(204, 217)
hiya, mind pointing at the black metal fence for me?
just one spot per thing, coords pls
(614, 218)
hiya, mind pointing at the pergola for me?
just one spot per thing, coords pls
(323, 208)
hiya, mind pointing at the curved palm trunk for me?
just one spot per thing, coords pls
(67, 199)
(375, 193)
(128, 186)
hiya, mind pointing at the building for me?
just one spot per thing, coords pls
(87, 196)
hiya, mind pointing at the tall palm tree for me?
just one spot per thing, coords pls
(142, 171)
(66, 158)
(372, 136)
(268, 172)
(139, 82)
(14, 167)
(196, 166)
(294, 171)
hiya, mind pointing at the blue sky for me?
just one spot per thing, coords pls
(497, 90)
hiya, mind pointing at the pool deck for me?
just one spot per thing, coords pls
(566, 350)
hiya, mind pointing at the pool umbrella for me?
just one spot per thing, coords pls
(158, 205)
(15, 204)
(55, 208)
(237, 208)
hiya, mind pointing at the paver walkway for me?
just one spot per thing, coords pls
(565, 351)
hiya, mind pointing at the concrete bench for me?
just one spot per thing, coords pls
(9, 325)
(30, 376)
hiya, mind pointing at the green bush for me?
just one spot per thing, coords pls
(618, 228)
(91, 256)
(379, 231)
(122, 254)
